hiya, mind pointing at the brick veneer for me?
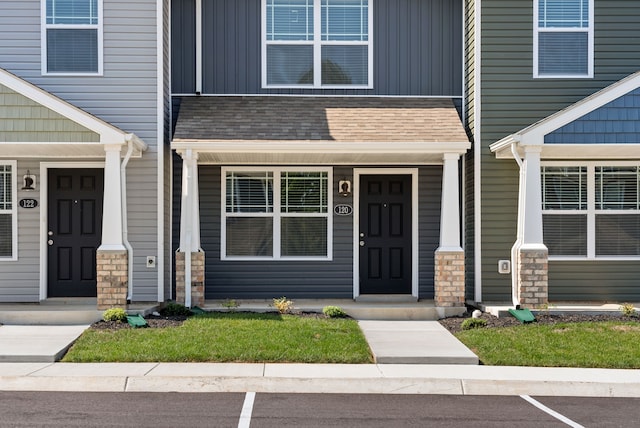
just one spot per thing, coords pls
(112, 278)
(449, 278)
(533, 268)
(197, 278)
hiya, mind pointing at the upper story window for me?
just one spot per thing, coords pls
(563, 38)
(72, 37)
(8, 211)
(317, 43)
(591, 211)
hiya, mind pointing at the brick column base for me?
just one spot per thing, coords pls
(112, 270)
(533, 283)
(449, 278)
(197, 278)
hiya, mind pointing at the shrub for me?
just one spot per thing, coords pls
(471, 323)
(114, 314)
(175, 309)
(628, 310)
(230, 304)
(283, 305)
(334, 312)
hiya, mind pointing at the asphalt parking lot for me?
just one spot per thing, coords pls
(53, 409)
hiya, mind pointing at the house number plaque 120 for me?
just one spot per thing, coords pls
(343, 209)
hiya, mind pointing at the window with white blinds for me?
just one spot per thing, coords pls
(276, 214)
(563, 38)
(8, 211)
(316, 43)
(72, 35)
(591, 211)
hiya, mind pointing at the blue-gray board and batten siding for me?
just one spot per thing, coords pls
(305, 279)
(417, 48)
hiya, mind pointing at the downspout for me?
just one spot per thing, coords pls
(125, 228)
(515, 271)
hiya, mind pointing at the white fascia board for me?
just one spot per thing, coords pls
(320, 147)
(108, 133)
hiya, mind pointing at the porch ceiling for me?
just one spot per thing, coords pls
(319, 130)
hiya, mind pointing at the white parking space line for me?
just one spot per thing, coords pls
(551, 412)
(247, 409)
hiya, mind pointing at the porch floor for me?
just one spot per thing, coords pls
(501, 309)
(61, 312)
(369, 309)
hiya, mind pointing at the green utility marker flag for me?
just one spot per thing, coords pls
(196, 310)
(523, 315)
(136, 321)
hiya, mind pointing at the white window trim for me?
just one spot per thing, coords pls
(591, 211)
(317, 43)
(276, 214)
(537, 30)
(43, 41)
(13, 211)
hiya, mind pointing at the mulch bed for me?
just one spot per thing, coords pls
(155, 321)
(453, 324)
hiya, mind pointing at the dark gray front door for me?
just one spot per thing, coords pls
(74, 230)
(385, 234)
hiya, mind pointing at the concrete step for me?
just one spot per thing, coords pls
(49, 317)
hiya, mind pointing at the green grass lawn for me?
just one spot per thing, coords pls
(229, 337)
(612, 344)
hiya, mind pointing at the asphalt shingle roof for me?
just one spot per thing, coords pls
(348, 119)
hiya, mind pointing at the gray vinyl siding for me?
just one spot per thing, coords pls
(20, 279)
(468, 164)
(417, 48)
(167, 152)
(430, 198)
(512, 100)
(125, 96)
(299, 279)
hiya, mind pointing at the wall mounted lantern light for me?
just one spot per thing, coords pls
(344, 187)
(29, 181)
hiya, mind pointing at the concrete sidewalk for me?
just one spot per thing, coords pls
(319, 378)
(401, 342)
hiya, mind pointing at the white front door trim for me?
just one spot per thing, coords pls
(44, 219)
(413, 172)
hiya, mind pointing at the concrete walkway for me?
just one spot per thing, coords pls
(37, 343)
(414, 342)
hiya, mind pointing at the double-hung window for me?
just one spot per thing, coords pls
(8, 211)
(591, 211)
(563, 38)
(72, 36)
(276, 214)
(317, 43)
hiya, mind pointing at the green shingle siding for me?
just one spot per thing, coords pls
(24, 120)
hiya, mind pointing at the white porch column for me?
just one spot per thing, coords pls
(189, 257)
(112, 202)
(449, 257)
(531, 270)
(450, 210)
(532, 199)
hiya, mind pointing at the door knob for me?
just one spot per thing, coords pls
(50, 242)
(362, 243)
